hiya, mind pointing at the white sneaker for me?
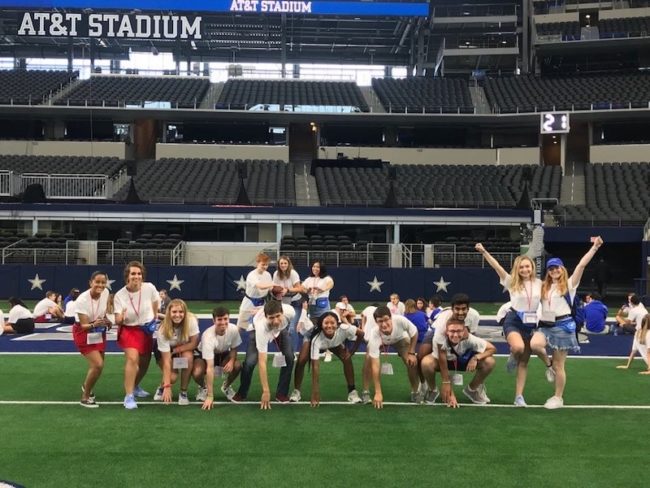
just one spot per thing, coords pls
(158, 395)
(415, 397)
(182, 398)
(353, 397)
(365, 397)
(550, 374)
(554, 402)
(328, 356)
(201, 394)
(295, 396)
(520, 402)
(228, 391)
(483, 393)
(138, 392)
(431, 396)
(474, 395)
(511, 365)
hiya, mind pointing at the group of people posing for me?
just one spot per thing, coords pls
(296, 316)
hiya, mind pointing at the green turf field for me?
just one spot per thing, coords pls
(65, 445)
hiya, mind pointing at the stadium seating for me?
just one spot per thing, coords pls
(429, 95)
(61, 165)
(625, 27)
(245, 94)
(350, 186)
(570, 31)
(21, 87)
(114, 91)
(530, 93)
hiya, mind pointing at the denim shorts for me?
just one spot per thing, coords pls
(560, 340)
(512, 323)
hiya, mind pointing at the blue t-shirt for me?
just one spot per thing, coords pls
(421, 321)
(595, 316)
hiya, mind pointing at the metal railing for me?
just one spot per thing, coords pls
(6, 183)
(366, 258)
(67, 186)
(446, 256)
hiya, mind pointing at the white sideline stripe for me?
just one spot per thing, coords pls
(392, 404)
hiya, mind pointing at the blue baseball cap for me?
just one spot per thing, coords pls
(554, 262)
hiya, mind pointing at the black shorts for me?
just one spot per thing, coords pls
(24, 326)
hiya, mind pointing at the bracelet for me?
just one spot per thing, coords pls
(209, 397)
(446, 382)
(166, 386)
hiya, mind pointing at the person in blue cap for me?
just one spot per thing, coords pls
(557, 326)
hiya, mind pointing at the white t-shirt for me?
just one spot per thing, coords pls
(43, 306)
(320, 283)
(527, 299)
(403, 329)
(71, 310)
(503, 311)
(138, 305)
(18, 312)
(93, 309)
(440, 324)
(253, 279)
(294, 278)
(263, 333)
(165, 345)
(320, 342)
(471, 343)
(555, 303)
(636, 314)
(212, 343)
(370, 324)
(396, 309)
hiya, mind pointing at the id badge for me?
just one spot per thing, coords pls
(530, 317)
(218, 371)
(94, 338)
(179, 363)
(279, 361)
(548, 316)
(457, 379)
(387, 369)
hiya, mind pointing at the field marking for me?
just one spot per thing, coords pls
(388, 404)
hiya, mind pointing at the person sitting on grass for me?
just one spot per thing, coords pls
(47, 310)
(402, 334)
(460, 351)
(178, 336)
(394, 304)
(595, 314)
(20, 319)
(218, 348)
(270, 324)
(640, 345)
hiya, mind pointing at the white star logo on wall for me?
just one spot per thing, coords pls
(441, 284)
(375, 284)
(175, 283)
(109, 283)
(240, 283)
(37, 283)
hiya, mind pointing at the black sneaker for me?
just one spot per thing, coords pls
(90, 403)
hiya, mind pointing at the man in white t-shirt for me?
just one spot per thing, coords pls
(218, 348)
(47, 309)
(459, 351)
(635, 314)
(399, 332)
(269, 325)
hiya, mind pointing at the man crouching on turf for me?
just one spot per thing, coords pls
(269, 325)
(399, 332)
(459, 351)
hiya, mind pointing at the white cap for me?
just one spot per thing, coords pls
(341, 305)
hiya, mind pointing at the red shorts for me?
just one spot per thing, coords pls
(80, 340)
(42, 319)
(133, 337)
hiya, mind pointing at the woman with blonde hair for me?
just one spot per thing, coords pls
(557, 326)
(525, 291)
(288, 279)
(178, 337)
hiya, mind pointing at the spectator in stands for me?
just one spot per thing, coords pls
(177, 338)
(557, 326)
(595, 314)
(640, 345)
(602, 276)
(72, 296)
(270, 324)
(258, 286)
(418, 317)
(136, 308)
(289, 280)
(434, 308)
(402, 334)
(20, 319)
(218, 347)
(164, 302)
(47, 310)
(318, 286)
(460, 351)
(89, 333)
(629, 316)
(520, 322)
(395, 306)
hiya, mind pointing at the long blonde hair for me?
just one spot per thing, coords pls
(167, 326)
(562, 283)
(517, 283)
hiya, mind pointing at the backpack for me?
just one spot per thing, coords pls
(577, 308)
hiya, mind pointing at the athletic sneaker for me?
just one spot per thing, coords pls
(554, 402)
(474, 395)
(365, 397)
(138, 392)
(328, 356)
(226, 390)
(520, 402)
(550, 374)
(415, 397)
(201, 394)
(295, 396)
(237, 398)
(280, 398)
(353, 397)
(158, 395)
(511, 365)
(92, 393)
(431, 396)
(182, 398)
(90, 403)
(129, 402)
(483, 392)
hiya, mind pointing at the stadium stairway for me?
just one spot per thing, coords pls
(573, 184)
(212, 96)
(479, 100)
(64, 92)
(372, 100)
(306, 189)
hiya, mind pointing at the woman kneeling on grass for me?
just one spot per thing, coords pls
(556, 326)
(329, 335)
(178, 337)
(89, 333)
